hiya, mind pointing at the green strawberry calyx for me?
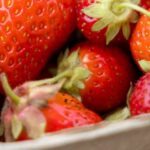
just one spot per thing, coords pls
(71, 62)
(118, 115)
(145, 65)
(22, 106)
(71, 70)
(114, 15)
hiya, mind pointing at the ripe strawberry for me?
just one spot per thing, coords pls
(108, 21)
(140, 44)
(100, 75)
(145, 4)
(30, 111)
(31, 31)
(139, 101)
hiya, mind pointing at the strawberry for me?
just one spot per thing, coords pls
(31, 32)
(145, 4)
(140, 43)
(108, 21)
(139, 100)
(30, 111)
(99, 76)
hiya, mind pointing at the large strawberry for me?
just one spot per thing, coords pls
(30, 32)
(103, 21)
(100, 76)
(30, 111)
(139, 100)
(140, 44)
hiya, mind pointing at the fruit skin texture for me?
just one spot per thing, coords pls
(139, 101)
(31, 31)
(140, 43)
(145, 4)
(64, 111)
(85, 24)
(111, 72)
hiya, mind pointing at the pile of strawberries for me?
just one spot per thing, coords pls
(67, 63)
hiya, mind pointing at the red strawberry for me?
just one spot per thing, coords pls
(34, 110)
(139, 101)
(140, 44)
(31, 31)
(100, 75)
(145, 4)
(104, 21)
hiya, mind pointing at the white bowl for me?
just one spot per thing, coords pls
(131, 134)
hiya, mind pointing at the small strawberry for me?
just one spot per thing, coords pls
(30, 32)
(139, 100)
(30, 110)
(140, 44)
(108, 21)
(100, 76)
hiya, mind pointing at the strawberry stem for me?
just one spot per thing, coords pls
(60, 76)
(8, 90)
(132, 6)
